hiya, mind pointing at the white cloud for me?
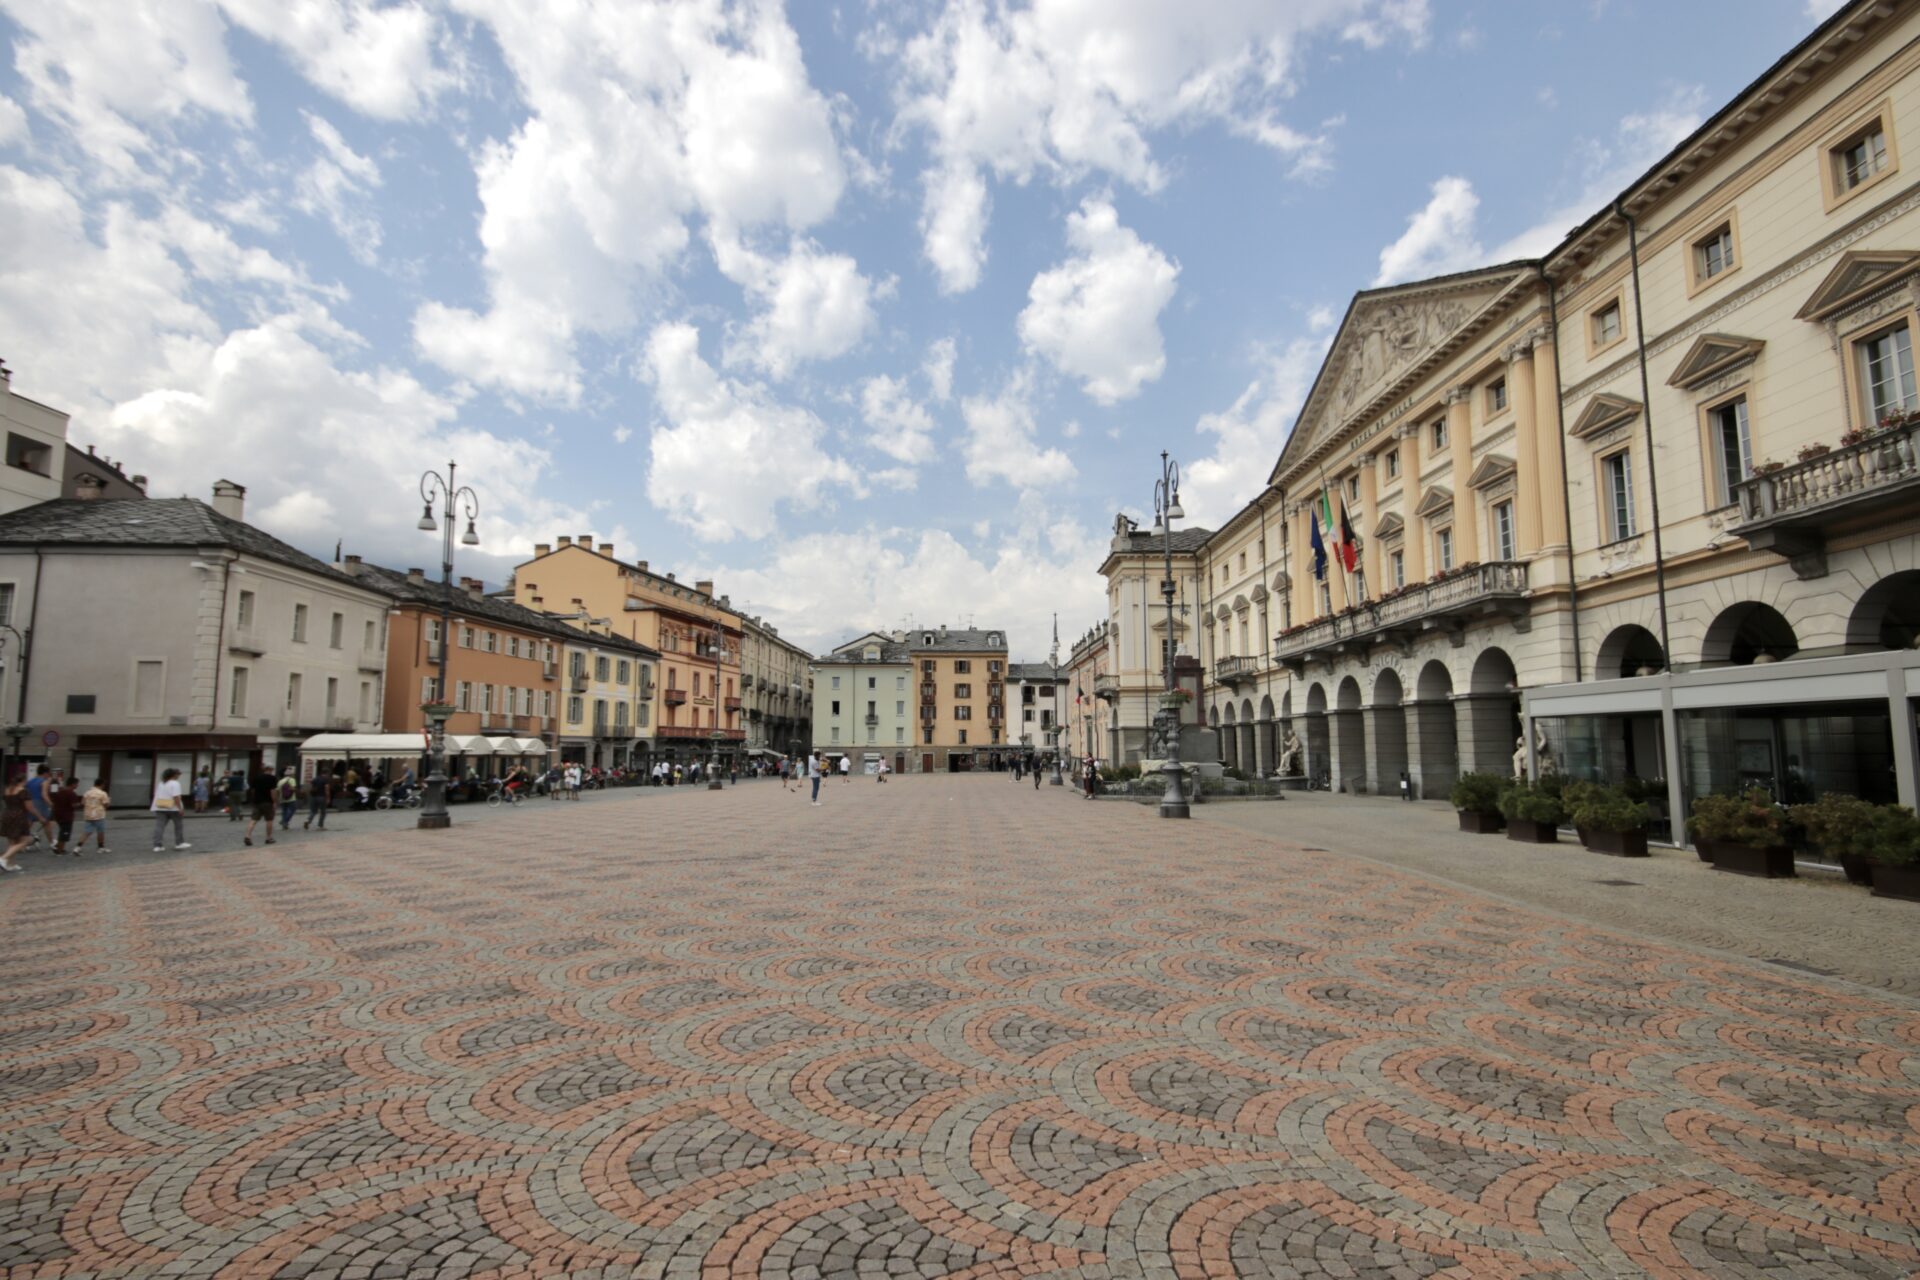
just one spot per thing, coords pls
(813, 305)
(1439, 239)
(335, 187)
(1248, 435)
(1821, 10)
(728, 454)
(641, 116)
(1000, 442)
(519, 346)
(376, 58)
(1064, 88)
(1096, 316)
(903, 430)
(13, 122)
(938, 368)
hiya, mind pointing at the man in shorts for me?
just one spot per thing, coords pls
(40, 805)
(260, 789)
(93, 817)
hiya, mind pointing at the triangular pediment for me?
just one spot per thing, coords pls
(1603, 412)
(1712, 355)
(1854, 277)
(1390, 526)
(1436, 500)
(1388, 337)
(1492, 470)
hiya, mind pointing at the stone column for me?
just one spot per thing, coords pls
(1369, 516)
(1553, 476)
(1413, 541)
(1466, 527)
(1263, 753)
(1349, 743)
(1306, 600)
(1249, 751)
(1386, 748)
(1526, 452)
(1434, 755)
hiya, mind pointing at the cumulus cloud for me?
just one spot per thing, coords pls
(902, 429)
(1439, 238)
(938, 368)
(1248, 435)
(336, 186)
(642, 116)
(1096, 316)
(13, 122)
(378, 58)
(1062, 88)
(1000, 443)
(728, 454)
(812, 305)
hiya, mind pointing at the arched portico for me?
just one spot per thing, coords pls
(1229, 737)
(1349, 735)
(1249, 752)
(1747, 633)
(1386, 724)
(1432, 746)
(1318, 735)
(1631, 650)
(1887, 615)
(1487, 720)
(1266, 748)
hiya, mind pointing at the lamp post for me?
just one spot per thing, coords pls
(434, 486)
(1166, 509)
(719, 707)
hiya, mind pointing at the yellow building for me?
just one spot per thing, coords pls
(777, 688)
(606, 697)
(696, 706)
(959, 683)
(1141, 637)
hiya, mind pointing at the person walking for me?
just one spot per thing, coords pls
(286, 794)
(202, 790)
(65, 801)
(813, 775)
(166, 808)
(16, 824)
(1035, 770)
(260, 789)
(40, 805)
(846, 769)
(319, 799)
(93, 818)
(236, 793)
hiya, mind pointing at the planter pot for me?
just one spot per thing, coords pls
(1902, 881)
(1530, 832)
(1480, 823)
(1621, 844)
(1859, 870)
(1751, 860)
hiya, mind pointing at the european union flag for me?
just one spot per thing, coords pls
(1319, 549)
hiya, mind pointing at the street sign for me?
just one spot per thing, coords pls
(51, 738)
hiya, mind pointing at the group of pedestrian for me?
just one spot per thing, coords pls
(44, 807)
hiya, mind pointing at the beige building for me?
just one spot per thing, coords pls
(1088, 696)
(1141, 637)
(36, 441)
(777, 689)
(864, 703)
(960, 695)
(606, 705)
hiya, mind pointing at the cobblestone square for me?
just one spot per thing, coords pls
(944, 1026)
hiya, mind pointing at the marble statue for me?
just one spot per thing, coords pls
(1290, 756)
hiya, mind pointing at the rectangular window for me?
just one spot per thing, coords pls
(366, 701)
(1397, 568)
(513, 646)
(1606, 324)
(900, 683)
(1860, 157)
(245, 617)
(836, 733)
(1617, 469)
(490, 642)
(1886, 364)
(963, 691)
(1713, 254)
(1393, 463)
(80, 704)
(370, 635)
(899, 736)
(836, 682)
(1732, 446)
(600, 668)
(963, 713)
(962, 667)
(1439, 433)
(1497, 396)
(623, 673)
(337, 631)
(463, 696)
(466, 636)
(900, 708)
(236, 697)
(1443, 549)
(576, 709)
(1503, 530)
(426, 689)
(299, 624)
(333, 694)
(293, 695)
(963, 737)
(433, 638)
(836, 706)
(149, 688)
(870, 682)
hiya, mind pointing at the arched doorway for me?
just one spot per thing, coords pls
(1229, 739)
(1318, 737)
(1249, 750)
(1489, 726)
(1266, 746)
(1747, 633)
(1387, 733)
(1887, 615)
(1631, 650)
(1431, 741)
(1349, 739)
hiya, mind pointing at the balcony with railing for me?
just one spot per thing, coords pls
(733, 704)
(674, 697)
(1791, 510)
(1448, 604)
(1236, 671)
(373, 660)
(1106, 688)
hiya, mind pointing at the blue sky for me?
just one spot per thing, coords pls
(874, 312)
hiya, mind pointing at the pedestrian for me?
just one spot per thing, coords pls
(846, 769)
(166, 808)
(202, 790)
(65, 801)
(236, 792)
(573, 781)
(319, 798)
(260, 793)
(286, 793)
(813, 775)
(881, 772)
(1036, 776)
(40, 805)
(93, 817)
(16, 824)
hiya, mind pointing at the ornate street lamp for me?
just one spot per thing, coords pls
(435, 487)
(1166, 509)
(719, 707)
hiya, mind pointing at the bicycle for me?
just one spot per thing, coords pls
(498, 793)
(406, 799)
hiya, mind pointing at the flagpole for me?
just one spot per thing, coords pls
(1332, 532)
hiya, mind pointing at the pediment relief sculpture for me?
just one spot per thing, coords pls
(1604, 411)
(1492, 470)
(1712, 355)
(1854, 277)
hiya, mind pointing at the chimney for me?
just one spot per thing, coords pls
(673, 577)
(704, 586)
(229, 499)
(606, 549)
(585, 540)
(87, 488)
(351, 565)
(641, 565)
(418, 577)
(6, 375)
(474, 588)
(138, 482)
(542, 548)
(564, 540)
(89, 451)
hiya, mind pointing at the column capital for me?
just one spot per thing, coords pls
(1458, 395)
(1366, 459)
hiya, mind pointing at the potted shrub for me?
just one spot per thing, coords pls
(1745, 834)
(1609, 822)
(1894, 853)
(1809, 452)
(1477, 797)
(1840, 826)
(1532, 812)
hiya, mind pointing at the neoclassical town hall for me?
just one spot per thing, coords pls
(1650, 504)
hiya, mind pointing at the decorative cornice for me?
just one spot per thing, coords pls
(1458, 395)
(1713, 355)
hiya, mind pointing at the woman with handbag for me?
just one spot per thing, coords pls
(166, 808)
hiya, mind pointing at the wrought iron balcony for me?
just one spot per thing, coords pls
(1498, 587)
(1236, 671)
(1790, 511)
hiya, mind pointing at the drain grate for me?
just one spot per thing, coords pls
(1619, 884)
(1804, 968)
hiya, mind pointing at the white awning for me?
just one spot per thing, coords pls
(519, 747)
(339, 746)
(469, 744)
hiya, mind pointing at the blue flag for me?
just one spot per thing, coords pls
(1319, 549)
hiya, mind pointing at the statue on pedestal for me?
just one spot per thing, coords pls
(1290, 752)
(1542, 751)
